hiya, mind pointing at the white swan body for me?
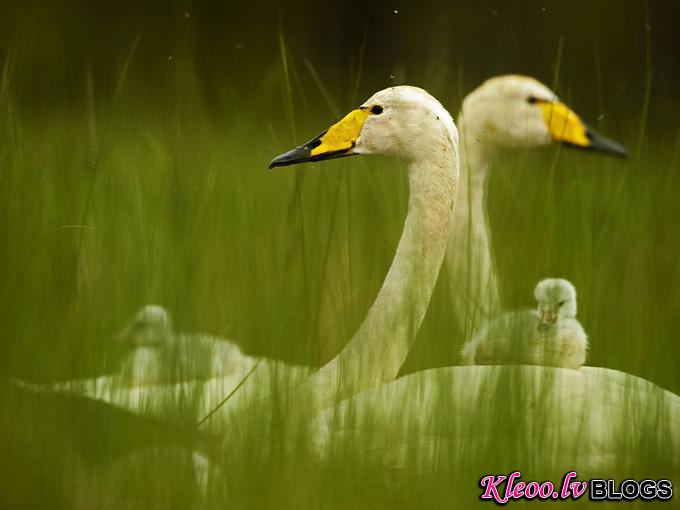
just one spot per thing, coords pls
(550, 335)
(189, 401)
(402, 122)
(506, 111)
(582, 415)
(502, 418)
(156, 353)
(180, 376)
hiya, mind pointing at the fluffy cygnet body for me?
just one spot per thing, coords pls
(550, 335)
(155, 353)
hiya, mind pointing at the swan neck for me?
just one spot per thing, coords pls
(474, 173)
(474, 286)
(475, 151)
(380, 346)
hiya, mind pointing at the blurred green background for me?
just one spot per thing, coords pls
(152, 124)
(135, 139)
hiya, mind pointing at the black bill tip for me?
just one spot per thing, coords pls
(303, 154)
(296, 155)
(600, 143)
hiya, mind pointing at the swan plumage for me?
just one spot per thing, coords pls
(402, 122)
(409, 124)
(591, 406)
(444, 420)
(505, 111)
(185, 375)
(549, 335)
(156, 353)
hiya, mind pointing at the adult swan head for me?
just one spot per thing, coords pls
(409, 124)
(506, 111)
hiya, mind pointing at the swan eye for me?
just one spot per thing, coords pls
(376, 110)
(532, 100)
(561, 303)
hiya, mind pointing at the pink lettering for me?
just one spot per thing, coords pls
(509, 489)
(564, 492)
(578, 488)
(531, 491)
(546, 490)
(491, 483)
(518, 491)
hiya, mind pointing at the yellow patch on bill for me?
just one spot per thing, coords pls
(342, 135)
(563, 124)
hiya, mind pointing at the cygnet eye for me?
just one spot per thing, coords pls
(376, 110)
(532, 100)
(561, 303)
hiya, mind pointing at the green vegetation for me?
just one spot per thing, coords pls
(159, 193)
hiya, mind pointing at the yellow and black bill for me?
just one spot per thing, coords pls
(308, 152)
(566, 127)
(336, 142)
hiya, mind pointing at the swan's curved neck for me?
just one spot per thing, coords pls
(377, 351)
(473, 281)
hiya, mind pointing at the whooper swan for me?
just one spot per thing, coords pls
(506, 111)
(405, 123)
(550, 335)
(408, 124)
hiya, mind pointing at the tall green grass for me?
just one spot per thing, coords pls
(160, 194)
